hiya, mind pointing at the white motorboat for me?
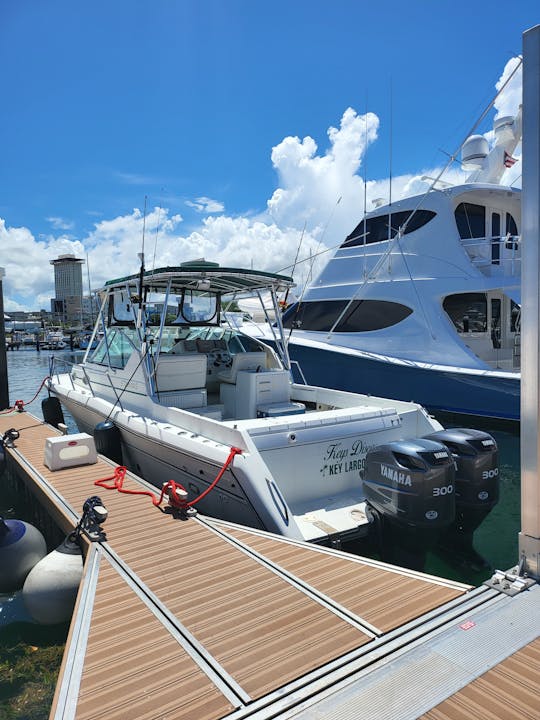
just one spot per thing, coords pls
(182, 390)
(422, 299)
(54, 340)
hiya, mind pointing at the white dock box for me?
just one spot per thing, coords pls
(66, 451)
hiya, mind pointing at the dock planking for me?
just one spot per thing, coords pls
(204, 619)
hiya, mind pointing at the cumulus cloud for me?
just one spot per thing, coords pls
(28, 275)
(318, 200)
(508, 102)
(206, 205)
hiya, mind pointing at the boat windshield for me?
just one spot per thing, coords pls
(192, 306)
(116, 347)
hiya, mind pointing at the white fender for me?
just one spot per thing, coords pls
(51, 587)
(21, 547)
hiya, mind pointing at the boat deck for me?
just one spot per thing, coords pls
(197, 618)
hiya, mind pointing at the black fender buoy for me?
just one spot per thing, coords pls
(50, 590)
(21, 547)
(108, 441)
(52, 411)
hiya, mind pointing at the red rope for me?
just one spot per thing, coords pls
(176, 492)
(19, 404)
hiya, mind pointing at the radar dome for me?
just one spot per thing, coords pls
(474, 151)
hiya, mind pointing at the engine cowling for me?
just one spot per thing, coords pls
(477, 467)
(475, 454)
(411, 483)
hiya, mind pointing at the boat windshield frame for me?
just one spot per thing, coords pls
(182, 303)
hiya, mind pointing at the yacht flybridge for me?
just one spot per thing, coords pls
(422, 300)
(182, 389)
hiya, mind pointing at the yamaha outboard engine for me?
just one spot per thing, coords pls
(477, 488)
(409, 488)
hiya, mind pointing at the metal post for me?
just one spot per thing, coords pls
(4, 392)
(529, 537)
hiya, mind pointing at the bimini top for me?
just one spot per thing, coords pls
(207, 276)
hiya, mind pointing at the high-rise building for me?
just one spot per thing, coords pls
(66, 306)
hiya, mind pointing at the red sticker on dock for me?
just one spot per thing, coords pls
(467, 625)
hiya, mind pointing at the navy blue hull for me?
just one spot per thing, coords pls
(437, 390)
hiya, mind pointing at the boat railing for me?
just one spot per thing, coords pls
(495, 255)
(298, 369)
(68, 367)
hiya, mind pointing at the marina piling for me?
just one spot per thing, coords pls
(529, 537)
(4, 392)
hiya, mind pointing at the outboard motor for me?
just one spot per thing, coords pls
(409, 488)
(477, 488)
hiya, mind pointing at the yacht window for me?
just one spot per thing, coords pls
(468, 311)
(376, 229)
(471, 220)
(511, 232)
(495, 238)
(115, 348)
(496, 323)
(515, 317)
(511, 226)
(358, 316)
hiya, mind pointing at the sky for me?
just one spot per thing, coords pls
(250, 131)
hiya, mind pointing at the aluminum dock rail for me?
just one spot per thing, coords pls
(198, 618)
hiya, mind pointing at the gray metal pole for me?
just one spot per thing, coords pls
(4, 392)
(529, 537)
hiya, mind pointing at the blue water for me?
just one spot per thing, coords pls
(496, 539)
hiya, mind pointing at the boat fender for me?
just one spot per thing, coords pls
(50, 590)
(108, 441)
(52, 411)
(21, 547)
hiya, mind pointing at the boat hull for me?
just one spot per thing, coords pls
(452, 390)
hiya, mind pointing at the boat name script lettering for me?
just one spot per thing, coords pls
(396, 476)
(341, 459)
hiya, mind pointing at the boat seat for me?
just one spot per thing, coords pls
(180, 372)
(243, 361)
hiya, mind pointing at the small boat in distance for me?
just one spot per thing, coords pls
(422, 300)
(53, 340)
(184, 391)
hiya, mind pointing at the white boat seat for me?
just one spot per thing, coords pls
(243, 361)
(180, 372)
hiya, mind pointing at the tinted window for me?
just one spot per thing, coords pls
(512, 231)
(511, 227)
(471, 220)
(359, 315)
(376, 229)
(468, 311)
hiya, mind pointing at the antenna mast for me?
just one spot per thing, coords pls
(141, 271)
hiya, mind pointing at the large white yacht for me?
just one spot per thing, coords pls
(182, 390)
(422, 299)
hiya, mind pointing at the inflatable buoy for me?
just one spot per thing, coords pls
(108, 441)
(50, 590)
(52, 411)
(21, 547)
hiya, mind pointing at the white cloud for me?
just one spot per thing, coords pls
(510, 98)
(206, 205)
(59, 223)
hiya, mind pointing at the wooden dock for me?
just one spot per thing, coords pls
(197, 618)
